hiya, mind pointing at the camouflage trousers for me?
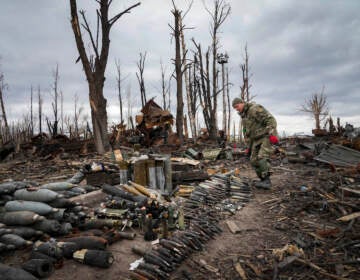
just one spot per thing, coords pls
(261, 150)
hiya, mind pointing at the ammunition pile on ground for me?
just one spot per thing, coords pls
(34, 214)
(31, 214)
(197, 223)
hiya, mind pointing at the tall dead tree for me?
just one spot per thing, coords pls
(317, 106)
(192, 100)
(3, 112)
(40, 102)
(118, 83)
(140, 78)
(31, 112)
(61, 112)
(165, 88)
(228, 103)
(54, 104)
(245, 87)
(206, 99)
(178, 75)
(222, 59)
(218, 16)
(95, 64)
(208, 79)
(185, 66)
(77, 113)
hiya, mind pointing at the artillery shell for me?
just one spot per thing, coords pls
(68, 248)
(12, 273)
(48, 226)
(89, 242)
(25, 232)
(146, 274)
(40, 195)
(96, 224)
(77, 178)
(49, 249)
(5, 231)
(21, 218)
(127, 235)
(16, 240)
(97, 258)
(58, 186)
(39, 267)
(41, 256)
(152, 268)
(34, 206)
(62, 203)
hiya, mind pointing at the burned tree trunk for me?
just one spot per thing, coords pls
(95, 65)
(178, 72)
(3, 112)
(118, 82)
(40, 102)
(140, 77)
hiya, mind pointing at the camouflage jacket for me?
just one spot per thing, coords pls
(257, 122)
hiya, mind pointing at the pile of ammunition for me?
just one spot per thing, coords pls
(202, 224)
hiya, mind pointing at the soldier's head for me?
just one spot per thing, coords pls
(238, 104)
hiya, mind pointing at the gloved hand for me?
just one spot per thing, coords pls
(247, 151)
(273, 140)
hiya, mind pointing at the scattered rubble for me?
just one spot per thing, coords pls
(191, 214)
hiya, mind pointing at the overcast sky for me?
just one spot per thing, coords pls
(295, 47)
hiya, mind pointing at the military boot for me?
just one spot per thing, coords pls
(264, 183)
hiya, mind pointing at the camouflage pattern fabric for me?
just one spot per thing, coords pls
(261, 151)
(258, 124)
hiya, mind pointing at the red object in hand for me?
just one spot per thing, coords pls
(247, 151)
(273, 139)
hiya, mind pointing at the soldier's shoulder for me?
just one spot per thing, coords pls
(254, 107)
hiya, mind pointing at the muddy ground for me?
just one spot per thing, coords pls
(290, 213)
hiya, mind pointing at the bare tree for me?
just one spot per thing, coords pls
(95, 64)
(206, 99)
(165, 87)
(222, 59)
(129, 107)
(228, 103)
(185, 67)
(219, 15)
(31, 111)
(208, 79)
(317, 106)
(192, 100)
(245, 87)
(77, 113)
(54, 104)
(118, 83)
(40, 103)
(3, 86)
(140, 78)
(61, 112)
(178, 75)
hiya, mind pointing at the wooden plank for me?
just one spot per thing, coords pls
(351, 190)
(233, 227)
(349, 217)
(240, 270)
(186, 160)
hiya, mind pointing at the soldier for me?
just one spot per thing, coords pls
(259, 128)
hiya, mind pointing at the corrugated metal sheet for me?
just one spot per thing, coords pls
(339, 156)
